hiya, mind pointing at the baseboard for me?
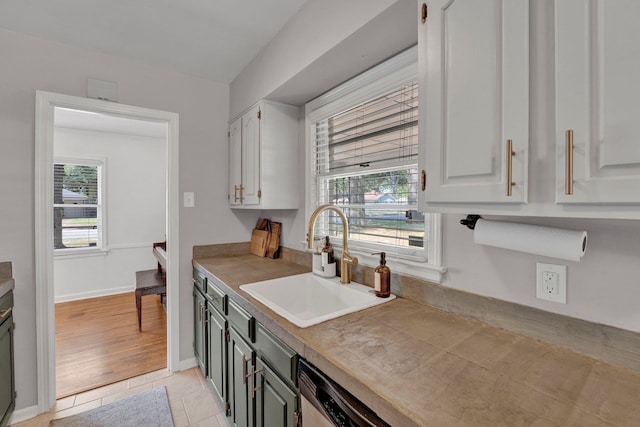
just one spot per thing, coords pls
(23, 414)
(94, 294)
(188, 364)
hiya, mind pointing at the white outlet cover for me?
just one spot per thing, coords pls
(561, 294)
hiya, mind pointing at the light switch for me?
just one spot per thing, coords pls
(189, 199)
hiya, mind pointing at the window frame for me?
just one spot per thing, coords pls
(101, 247)
(374, 82)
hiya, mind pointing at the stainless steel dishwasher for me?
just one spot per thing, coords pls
(326, 404)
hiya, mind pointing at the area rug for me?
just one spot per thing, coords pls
(147, 409)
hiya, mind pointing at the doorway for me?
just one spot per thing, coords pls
(109, 192)
(46, 105)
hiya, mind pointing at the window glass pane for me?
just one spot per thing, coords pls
(78, 227)
(76, 199)
(380, 208)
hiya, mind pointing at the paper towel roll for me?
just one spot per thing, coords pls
(534, 239)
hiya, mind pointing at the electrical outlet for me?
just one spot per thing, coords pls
(551, 282)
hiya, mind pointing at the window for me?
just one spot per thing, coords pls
(364, 158)
(77, 209)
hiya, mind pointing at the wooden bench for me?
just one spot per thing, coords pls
(149, 282)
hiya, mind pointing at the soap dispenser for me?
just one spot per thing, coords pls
(382, 276)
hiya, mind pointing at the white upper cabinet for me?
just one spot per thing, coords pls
(263, 157)
(251, 193)
(474, 100)
(598, 101)
(235, 161)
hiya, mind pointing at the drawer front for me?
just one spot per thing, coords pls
(241, 320)
(6, 302)
(216, 297)
(199, 280)
(279, 355)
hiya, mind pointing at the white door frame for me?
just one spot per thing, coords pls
(45, 319)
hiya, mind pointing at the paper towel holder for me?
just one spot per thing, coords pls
(470, 221)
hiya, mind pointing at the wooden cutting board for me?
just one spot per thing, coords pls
(259, 241)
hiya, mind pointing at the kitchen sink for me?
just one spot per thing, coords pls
(307, 299)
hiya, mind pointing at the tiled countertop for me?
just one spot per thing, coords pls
(417, 366)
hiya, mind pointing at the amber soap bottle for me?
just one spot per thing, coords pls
(382, 276)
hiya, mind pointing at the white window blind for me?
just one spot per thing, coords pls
(77, 209)
(365, 161)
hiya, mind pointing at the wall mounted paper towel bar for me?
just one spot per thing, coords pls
(534, 239)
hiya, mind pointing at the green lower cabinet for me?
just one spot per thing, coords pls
(7, 384)
(217, 352)
(200, 329)
(277, 404)
(240, 359)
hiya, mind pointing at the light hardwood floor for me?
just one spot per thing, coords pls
(191, 399)
(98, 342)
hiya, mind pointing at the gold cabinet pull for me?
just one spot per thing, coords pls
(568, 177)
(254, 386)
(510, 154)
(241, 188)
(235, 193)
(244, 370)
(424, 13)
(6, 312)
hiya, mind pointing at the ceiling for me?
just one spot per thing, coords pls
(100, 122)
(214, 39)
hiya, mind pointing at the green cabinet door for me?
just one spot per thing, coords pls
(276, 403)
(240, 360)
(217, 352)
(199, 329)
(7, 384)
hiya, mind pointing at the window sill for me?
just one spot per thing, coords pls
(420, 269)
(79, 253)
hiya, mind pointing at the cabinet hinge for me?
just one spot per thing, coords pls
(259, 114)
(259, 193)
(424, 13)
(297, 419)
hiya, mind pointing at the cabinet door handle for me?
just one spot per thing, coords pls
(235, 193)
(423, 180)
(253, 382)
(241, 196)
(6, 312)
(244, 370)
(509, 180)
(423, 13)
(568, 177)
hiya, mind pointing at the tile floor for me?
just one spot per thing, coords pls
(190, 397)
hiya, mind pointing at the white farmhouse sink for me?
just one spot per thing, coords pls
(307, 299)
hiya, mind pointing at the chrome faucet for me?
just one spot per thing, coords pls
(347, 260)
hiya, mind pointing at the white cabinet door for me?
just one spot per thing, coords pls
(598, 98)
(474, 87)
(251, 156)
(235, 161)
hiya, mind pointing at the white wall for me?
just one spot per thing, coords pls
(603, 288)
(29, 64)
(135, 200)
